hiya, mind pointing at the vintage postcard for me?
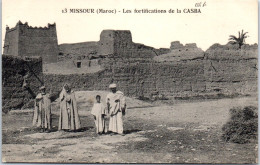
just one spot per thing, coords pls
(137, 81)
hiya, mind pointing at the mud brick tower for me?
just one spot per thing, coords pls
(24, 40)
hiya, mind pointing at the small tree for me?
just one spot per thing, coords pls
(240, 40)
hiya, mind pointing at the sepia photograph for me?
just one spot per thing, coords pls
(138, 81)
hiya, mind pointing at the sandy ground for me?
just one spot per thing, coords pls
(179, 133)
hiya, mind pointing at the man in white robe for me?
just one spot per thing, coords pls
(116, 106)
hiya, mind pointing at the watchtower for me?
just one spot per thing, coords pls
(24, 40)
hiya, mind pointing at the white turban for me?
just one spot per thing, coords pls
(112, 86)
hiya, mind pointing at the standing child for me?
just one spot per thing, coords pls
(98, 111)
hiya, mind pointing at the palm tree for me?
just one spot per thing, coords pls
(240, 40)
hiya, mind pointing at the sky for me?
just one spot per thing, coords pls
(218, 19)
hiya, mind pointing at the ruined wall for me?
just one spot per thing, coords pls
(115, 44)
(107, 42)
(231, 70)
(180, 52)
(225, 70)
(119, 44)
(77, 50)
(14, 70)
(32, 41)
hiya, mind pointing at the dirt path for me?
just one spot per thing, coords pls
(181, 133)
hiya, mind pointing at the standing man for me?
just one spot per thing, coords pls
(69, 117)
(116, 106)
(42, 111)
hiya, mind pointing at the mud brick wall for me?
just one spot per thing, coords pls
(137, 51)
(120, 44)
(180, 52)
(55, 82)
(231, 70)
(116, 44)
(222, 69)
(139, 78)
(14, 96)
(171, 79)
(73, 51)
(180, 78)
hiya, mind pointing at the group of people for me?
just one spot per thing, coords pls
(69, 119)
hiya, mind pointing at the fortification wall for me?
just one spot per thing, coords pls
(77, 50)
(226, 71)
(231, 70)
(14, 71)
(180, 52)
(140, 78)
(119, 44)
(134, 51)
(71, 67)
(116, 44)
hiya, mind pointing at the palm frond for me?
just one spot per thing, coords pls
(244, 35)
(232, 37)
